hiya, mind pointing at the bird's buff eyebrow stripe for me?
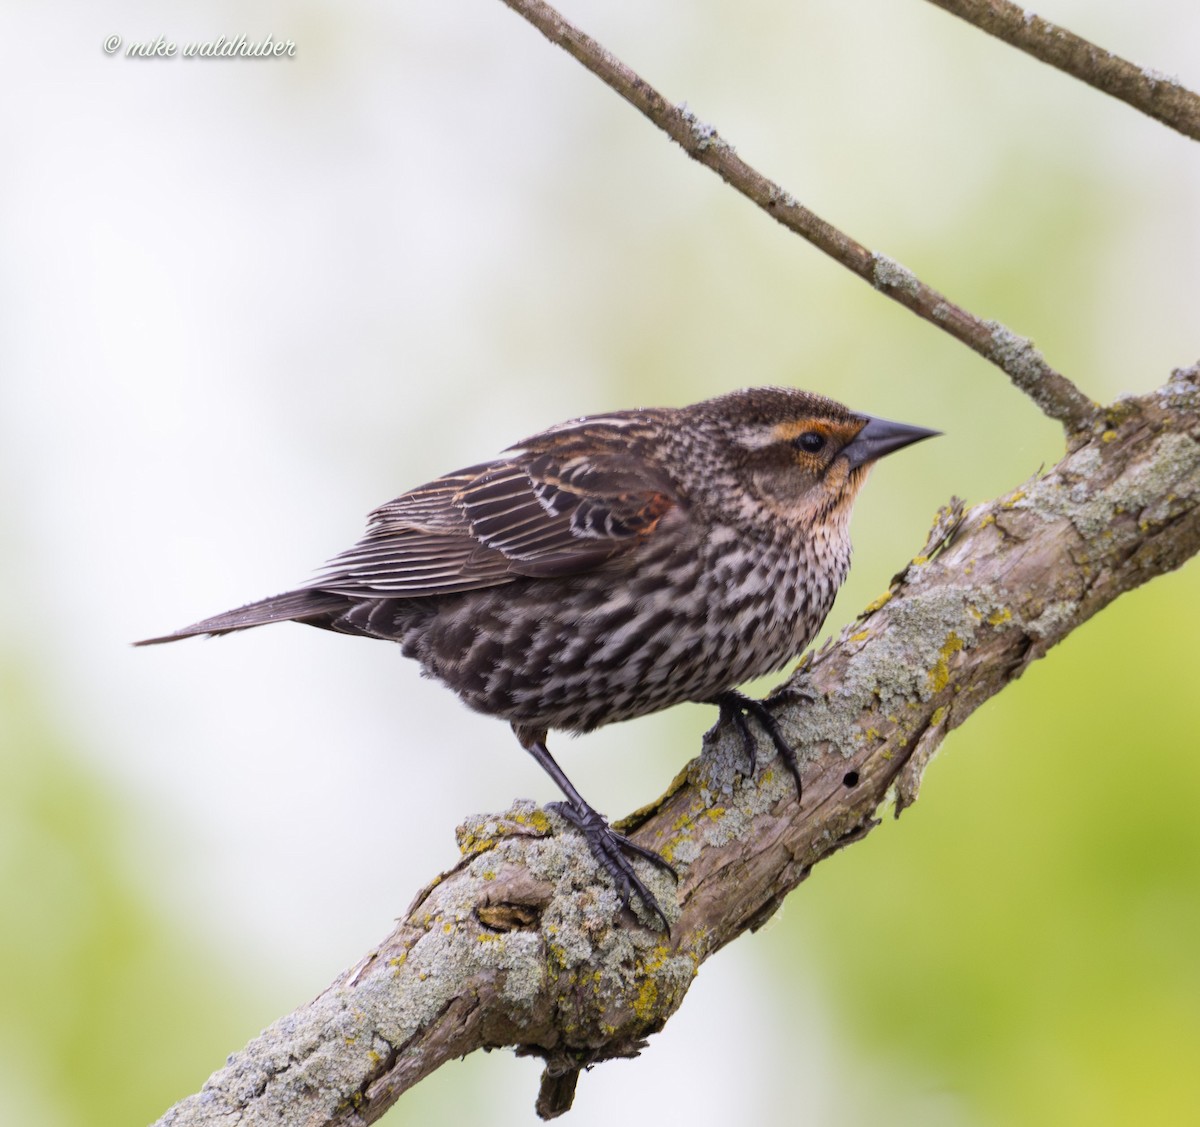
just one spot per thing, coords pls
(756, 437)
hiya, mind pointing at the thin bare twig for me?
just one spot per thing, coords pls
(1056, 395)
(1158, 95)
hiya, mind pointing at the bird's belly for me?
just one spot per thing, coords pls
(579, 653)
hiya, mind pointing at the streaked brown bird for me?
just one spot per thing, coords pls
(609, 567)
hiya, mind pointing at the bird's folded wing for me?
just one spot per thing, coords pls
(548, 512)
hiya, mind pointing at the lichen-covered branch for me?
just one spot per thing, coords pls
(1056, 395)
(525, 944)
(1158, 95)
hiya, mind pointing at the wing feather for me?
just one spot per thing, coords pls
(548, 509)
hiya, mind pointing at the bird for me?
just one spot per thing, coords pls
(609, 567)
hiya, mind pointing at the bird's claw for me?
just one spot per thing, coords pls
(611, 850)
(736, 708)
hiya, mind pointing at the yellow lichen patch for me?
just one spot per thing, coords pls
(939, 714)
(989, 519)
(535, 819)
(558, 955)
(685, 820)
(939, 675)
(398, 961)
(716, 813)
(862, 635)
(1011, 500)
(875, 604)
(1109, 436)
(999, 617)
(657, 957)
(469, 844)
(644, 1004)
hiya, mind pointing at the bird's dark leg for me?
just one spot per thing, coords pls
(736, 708)
(607, 846)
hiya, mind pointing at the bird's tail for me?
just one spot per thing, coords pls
(303, 605)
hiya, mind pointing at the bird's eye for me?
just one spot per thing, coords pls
(810, 442)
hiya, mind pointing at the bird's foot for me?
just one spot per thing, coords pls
(613, 850)
(736, 708)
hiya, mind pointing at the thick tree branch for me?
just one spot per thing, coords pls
(1056, 395)
(1158, 95)
(523, 943)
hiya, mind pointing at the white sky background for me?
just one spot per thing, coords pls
(246, 301)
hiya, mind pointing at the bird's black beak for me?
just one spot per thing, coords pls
(882, 436)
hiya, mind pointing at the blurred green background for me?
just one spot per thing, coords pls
(246, 301)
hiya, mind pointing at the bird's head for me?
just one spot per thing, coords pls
(800, 455)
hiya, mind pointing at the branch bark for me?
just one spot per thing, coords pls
(522, 943)
(1157, 95)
